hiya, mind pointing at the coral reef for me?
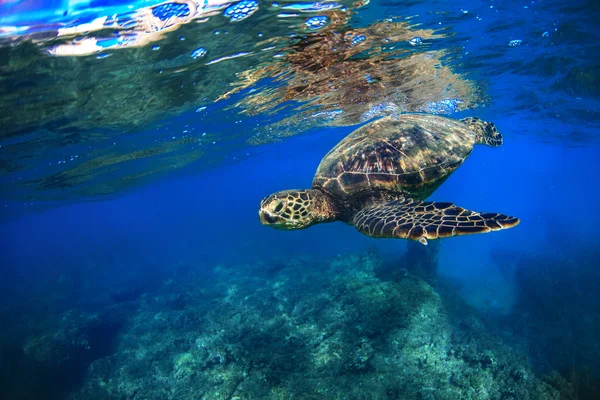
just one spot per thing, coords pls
(352, 327)
(306, 329)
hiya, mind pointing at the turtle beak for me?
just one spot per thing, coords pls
(265, 218)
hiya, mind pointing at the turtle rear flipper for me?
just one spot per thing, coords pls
(424, 220)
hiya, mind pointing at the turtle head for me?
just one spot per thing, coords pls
(485, 132)
(295, 209)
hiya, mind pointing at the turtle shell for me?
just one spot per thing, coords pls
(410, 154)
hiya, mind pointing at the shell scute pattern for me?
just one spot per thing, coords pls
(395, 154)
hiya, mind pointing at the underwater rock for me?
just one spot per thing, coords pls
(310, 329)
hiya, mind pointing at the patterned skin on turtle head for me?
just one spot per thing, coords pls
(295, 209)
(485, 132)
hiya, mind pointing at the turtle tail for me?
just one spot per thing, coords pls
(485, 132)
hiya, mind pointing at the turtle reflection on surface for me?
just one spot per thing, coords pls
(338, 80)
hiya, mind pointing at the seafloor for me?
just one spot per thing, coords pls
(352, 327)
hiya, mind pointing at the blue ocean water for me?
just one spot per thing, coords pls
(136, 277)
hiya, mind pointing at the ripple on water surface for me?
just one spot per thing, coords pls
(96, 100)
(97, 105)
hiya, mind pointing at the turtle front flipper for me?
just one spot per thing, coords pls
(423, 220)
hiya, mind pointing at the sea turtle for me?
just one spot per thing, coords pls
(378, 176)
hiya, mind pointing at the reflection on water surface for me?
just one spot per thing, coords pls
(88, 108)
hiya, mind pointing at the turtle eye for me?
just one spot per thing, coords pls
(278, 207)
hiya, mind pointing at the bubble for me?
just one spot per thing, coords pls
(416, 41)
(199, 52)
(358, 39)
(241, 10)
(514, 43)
(316, 22)
(311, 7)
(330, 115)
(170, 10)
(154, 48)
(377, 110)
(446, 106)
